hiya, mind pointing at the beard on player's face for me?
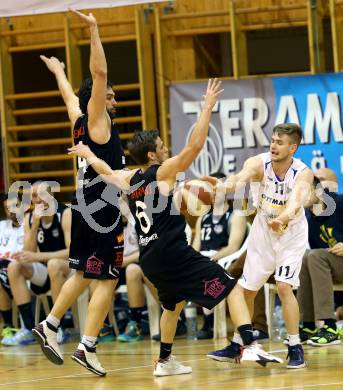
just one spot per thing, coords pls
(111, 111)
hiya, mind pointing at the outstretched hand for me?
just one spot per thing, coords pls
(212, 93)
(277, 226)
(81, 150)
(89, 19)
(214, 181)
(219, 188)
(53, 64)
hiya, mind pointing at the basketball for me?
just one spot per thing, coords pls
(203, 190)
(194, 197)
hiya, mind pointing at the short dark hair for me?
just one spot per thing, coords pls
(142, 143)
(291, 129)
(85, 93)
(218, 175)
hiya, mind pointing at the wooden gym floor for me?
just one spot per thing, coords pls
(129, 366)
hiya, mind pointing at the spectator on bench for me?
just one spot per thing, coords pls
(43, 260)
(323, 263)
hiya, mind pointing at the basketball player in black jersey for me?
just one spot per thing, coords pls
(96, 250)
(178, 272)
(45, 251)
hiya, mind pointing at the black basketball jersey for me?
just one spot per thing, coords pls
(160, 227)
(214, 232)
(51, 238)
(88, 181)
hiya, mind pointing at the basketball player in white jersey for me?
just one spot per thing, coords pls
(278, 237)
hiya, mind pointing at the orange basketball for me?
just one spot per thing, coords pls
(203, 190)
(196, 197)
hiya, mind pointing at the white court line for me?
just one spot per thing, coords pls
(114, 370)
(301, 386)
(118, 353)
(99, 353)
(86, 374)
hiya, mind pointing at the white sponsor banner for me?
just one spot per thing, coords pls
(243, 119)
(32, 7)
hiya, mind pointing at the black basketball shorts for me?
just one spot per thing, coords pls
(98, 255)
(197, 279)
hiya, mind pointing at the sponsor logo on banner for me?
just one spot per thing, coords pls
(243, 119)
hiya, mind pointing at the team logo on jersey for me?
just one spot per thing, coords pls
(118, 261)
(94, 265)
(120, 238)
(143, 241)
(55, 233)
(326, 235)
(78, 132)
(211, 156)
(213, 287)
(218, 229)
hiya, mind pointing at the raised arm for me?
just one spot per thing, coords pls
(179, 163)
(70, 99)
(99, 122)
(300, 194)
(120, 178)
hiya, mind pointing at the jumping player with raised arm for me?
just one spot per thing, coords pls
(96, 249)
(278, 237)
(178, 271)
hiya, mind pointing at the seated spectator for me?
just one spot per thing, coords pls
(11, 242)
(328, 179)
(322, 265)
(43, 260)
(218, 236)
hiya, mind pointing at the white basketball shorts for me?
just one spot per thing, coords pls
(269, 253)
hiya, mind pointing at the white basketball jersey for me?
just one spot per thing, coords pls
(11, 239)
(274, 192)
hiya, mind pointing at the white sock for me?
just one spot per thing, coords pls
(294, 339)
(54, 321)
(89, 341)
(237, 338)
